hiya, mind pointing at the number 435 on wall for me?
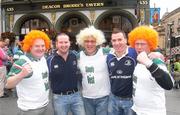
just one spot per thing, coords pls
(143, 2)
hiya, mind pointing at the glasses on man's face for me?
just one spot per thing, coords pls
(141, 44)
(90, 41)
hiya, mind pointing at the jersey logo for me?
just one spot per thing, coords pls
(128, 62)
(119, 71)
(74, 62)
(56, 66)
(90, 74)
(112, 64)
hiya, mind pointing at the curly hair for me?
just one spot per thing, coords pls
(90, 31)
(144, 33)
(32, 36)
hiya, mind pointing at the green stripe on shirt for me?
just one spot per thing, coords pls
(16, 68)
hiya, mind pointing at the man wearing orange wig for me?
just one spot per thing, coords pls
(151, 76)
(29, 75)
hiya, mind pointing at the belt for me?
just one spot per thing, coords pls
(123, 98)
(69, 92)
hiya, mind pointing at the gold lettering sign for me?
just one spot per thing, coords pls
(94, 4)
(10, 9)
(80, 5)
(44, 7)
(76, 5)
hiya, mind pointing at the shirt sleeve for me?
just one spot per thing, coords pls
(17, 67)
(160, 73)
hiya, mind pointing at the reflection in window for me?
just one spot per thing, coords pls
(116, 21)
(72, 26)
(31, 24)
(178, 32)
(179, 22)
(111, 22)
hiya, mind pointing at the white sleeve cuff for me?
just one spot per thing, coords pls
(148, 63)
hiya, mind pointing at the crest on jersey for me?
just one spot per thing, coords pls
(128, 62)
(112, 64)
(119, 71)
(56, 66)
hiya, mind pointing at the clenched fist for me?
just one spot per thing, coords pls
(26, 70)
(144, 59)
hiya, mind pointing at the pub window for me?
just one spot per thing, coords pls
(73, 25)
(31, 24)
(172, 27)
(178, 32)
(108, 23)
(179, 22)
(74, 22)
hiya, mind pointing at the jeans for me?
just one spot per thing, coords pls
(119, 106)
(97, 106)
(65, 103)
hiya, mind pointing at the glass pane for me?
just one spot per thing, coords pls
(38, 24)
(110, 22)
(73, 25)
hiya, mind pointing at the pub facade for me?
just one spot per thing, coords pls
(21, 16)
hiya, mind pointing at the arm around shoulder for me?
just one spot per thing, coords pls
(162, 77)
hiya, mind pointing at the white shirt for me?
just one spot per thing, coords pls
(149, 97)
(33, 92)
(95, 81)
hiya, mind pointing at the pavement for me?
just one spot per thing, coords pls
(173, 102)
(8, 105)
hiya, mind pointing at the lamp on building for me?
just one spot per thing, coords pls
(169, 39)
(92, 16)
(53, 17)
(11, 21)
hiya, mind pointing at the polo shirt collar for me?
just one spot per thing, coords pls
(31, 57)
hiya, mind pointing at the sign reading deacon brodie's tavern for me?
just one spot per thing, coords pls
(34, 6)
(37, 6)
(75, 5)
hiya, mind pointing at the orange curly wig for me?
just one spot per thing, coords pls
(32, 36)
(144, 33)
